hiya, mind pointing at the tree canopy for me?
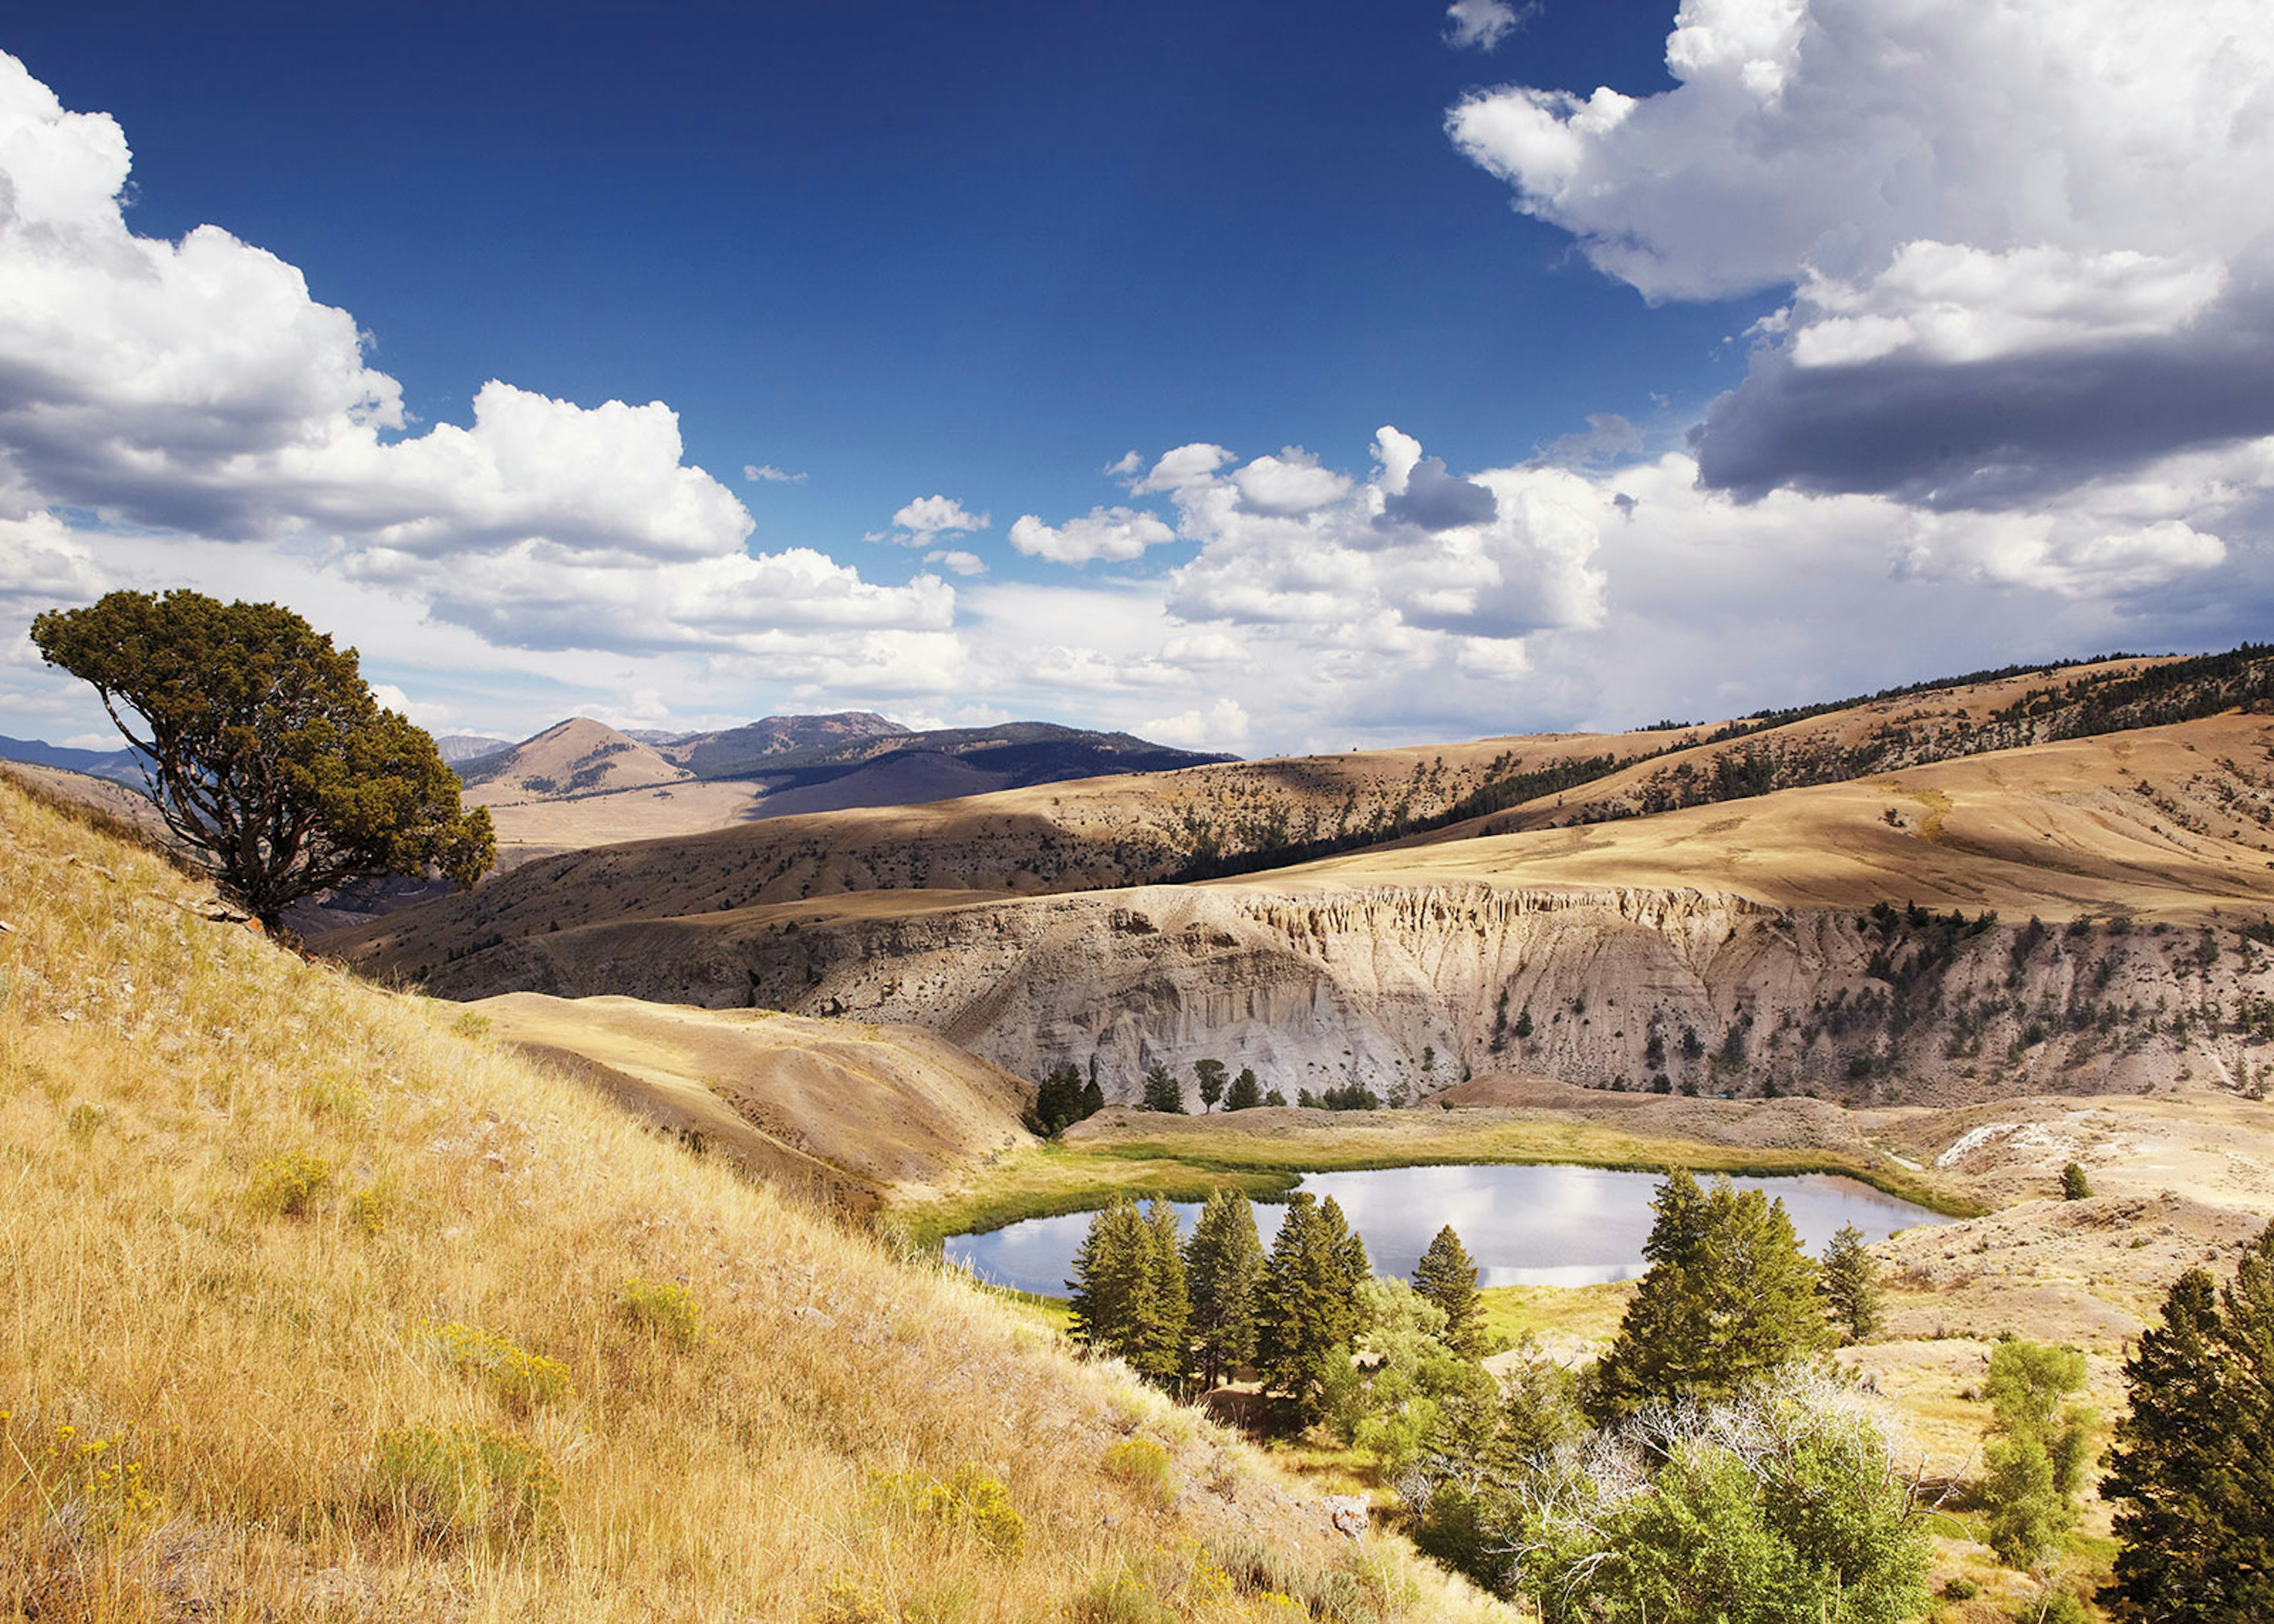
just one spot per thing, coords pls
(1729, 1297)
(265, 749)
(2037, 1449)
(2190, 1467)
(1447, 1277)
(1851, 1285)
(1309, 1312)
(1128, 1290)
(1223, 1267)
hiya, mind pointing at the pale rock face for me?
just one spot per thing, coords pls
(1403, 985)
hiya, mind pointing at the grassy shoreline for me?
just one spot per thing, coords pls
(1053, 1179)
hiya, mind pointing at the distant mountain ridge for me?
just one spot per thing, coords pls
(117, 766)
(798, 754)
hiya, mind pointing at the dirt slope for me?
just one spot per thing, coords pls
(862, 1111)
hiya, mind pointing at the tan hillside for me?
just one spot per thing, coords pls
(858, 1111)
(579, 756)
(1908, 730)
(1077, 835)
(313, 1303)
(1637, 947)
(2160, 822)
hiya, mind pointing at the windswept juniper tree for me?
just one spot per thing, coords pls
(264, 747)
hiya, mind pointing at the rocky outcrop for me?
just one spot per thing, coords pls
(1413, 990)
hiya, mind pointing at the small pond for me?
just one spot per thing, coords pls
(1524, 1225)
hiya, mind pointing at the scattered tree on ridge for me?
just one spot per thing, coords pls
(264, 748)
(2190, 1467)
(1210, 1073)
(1163, 1091)
(2075, 1185)
(1729, 1297)
(2038, 1447)
(1246, 1095)
(1223, 1270)
(1850, 1280)
(1448, 1277)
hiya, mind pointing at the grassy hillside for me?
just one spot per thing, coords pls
(854, 1111)
(313, 1304)
(1090, 834)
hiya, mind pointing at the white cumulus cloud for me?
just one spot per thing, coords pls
(197, 389)
(1113, 534)
(2026, 241)
(926, 519)
(1480, 25)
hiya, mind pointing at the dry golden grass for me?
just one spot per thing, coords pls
(2131, 822)
(859, 1109)
(343, 1294)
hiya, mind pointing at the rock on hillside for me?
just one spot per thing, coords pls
(1419, 989)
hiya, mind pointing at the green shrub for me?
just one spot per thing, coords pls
(667, 1310)
(287, 1186)
(1144, 1466)
(521, 1379)
(451, 1486)
(367, 1209)
(970, 1501)
(2075, 1185)
(1959, 1589)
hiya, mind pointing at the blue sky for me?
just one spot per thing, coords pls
(1705, 393)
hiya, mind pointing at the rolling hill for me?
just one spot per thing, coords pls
(1943, 917)
(582, 784)
(323, 1303)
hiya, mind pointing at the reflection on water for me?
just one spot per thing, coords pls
(1524, 1225)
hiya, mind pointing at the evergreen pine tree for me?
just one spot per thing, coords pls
(1351, 1270)
(1729, 1295)
(1112, 1282)
(2190, 1467)
(1851, 1285)
(1057, 1100)
(1210, 1073)
(1093, 1098)
(1165, 1349)
(1247, 1093)
(1447, 1277)
(1309, 1314)
(1163, 1091)
(1223, 1270)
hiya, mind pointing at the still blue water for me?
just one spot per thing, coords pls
(1524, 1225)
